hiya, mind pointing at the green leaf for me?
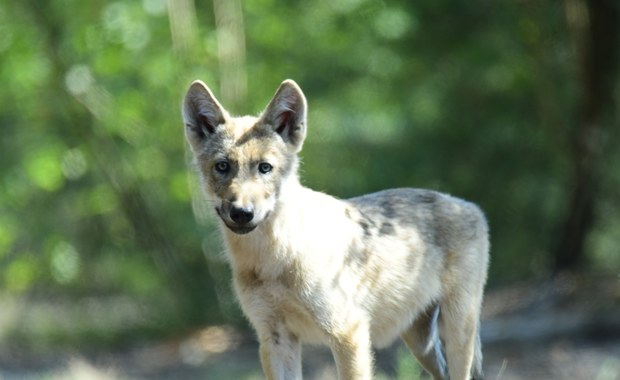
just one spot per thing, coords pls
(44, 168)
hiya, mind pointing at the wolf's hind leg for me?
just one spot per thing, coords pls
(422, 338)
(459, 330)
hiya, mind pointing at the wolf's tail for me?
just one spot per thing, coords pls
(435, 344)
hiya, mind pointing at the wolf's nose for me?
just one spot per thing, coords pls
(241, 216)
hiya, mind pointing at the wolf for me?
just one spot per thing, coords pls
(351, 274)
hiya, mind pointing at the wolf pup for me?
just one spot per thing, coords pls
(351, 274)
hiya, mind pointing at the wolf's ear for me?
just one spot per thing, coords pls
(202, 114)
(286, 113)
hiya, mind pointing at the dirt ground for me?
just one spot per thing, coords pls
(554, 359)
(568, 328)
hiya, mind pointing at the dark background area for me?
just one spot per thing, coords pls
(105, 242)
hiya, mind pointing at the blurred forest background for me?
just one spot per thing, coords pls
(104, 239)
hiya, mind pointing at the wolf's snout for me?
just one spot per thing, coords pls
(241, 216)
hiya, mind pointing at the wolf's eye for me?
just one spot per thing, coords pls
(222, 167)
(264, 167)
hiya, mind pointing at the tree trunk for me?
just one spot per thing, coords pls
(599, 59)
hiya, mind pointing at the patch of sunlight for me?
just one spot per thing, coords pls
(65, 263)
(255, 376)
(610, 369)
(346, 6)
(155, 7)
(210, 341)
(80, 369)
(392, 23)
(74, 163)
(603, 243)
(384, 62)
(43, 167)
(378, 127)
(122, 26)
(79, 80)
(20, 273)
(27, 70)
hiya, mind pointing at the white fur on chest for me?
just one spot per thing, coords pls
(314, 267)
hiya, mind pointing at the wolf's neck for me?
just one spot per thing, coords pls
(289, 190)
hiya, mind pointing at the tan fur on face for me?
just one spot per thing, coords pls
(245, 143)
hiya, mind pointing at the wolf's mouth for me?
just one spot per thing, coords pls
(240, 230)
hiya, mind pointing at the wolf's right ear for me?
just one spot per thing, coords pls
(202, 114)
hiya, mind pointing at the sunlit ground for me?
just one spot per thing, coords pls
(553, 330)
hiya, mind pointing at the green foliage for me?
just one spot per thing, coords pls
(475, 98)
(408, 368)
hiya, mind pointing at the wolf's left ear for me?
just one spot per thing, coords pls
(286, 113)
(202, 114)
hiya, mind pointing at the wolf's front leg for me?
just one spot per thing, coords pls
(280, 355)
(352, 353)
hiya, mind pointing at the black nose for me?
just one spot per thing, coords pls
(241, 216)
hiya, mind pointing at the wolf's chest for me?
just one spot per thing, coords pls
(275, 300)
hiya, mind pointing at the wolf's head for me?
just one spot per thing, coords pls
(244, 161)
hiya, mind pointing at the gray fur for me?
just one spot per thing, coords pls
(442, 220)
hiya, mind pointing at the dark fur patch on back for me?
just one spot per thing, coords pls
(387, 228)
(347, 213)
(387, 209)
(365, 227)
